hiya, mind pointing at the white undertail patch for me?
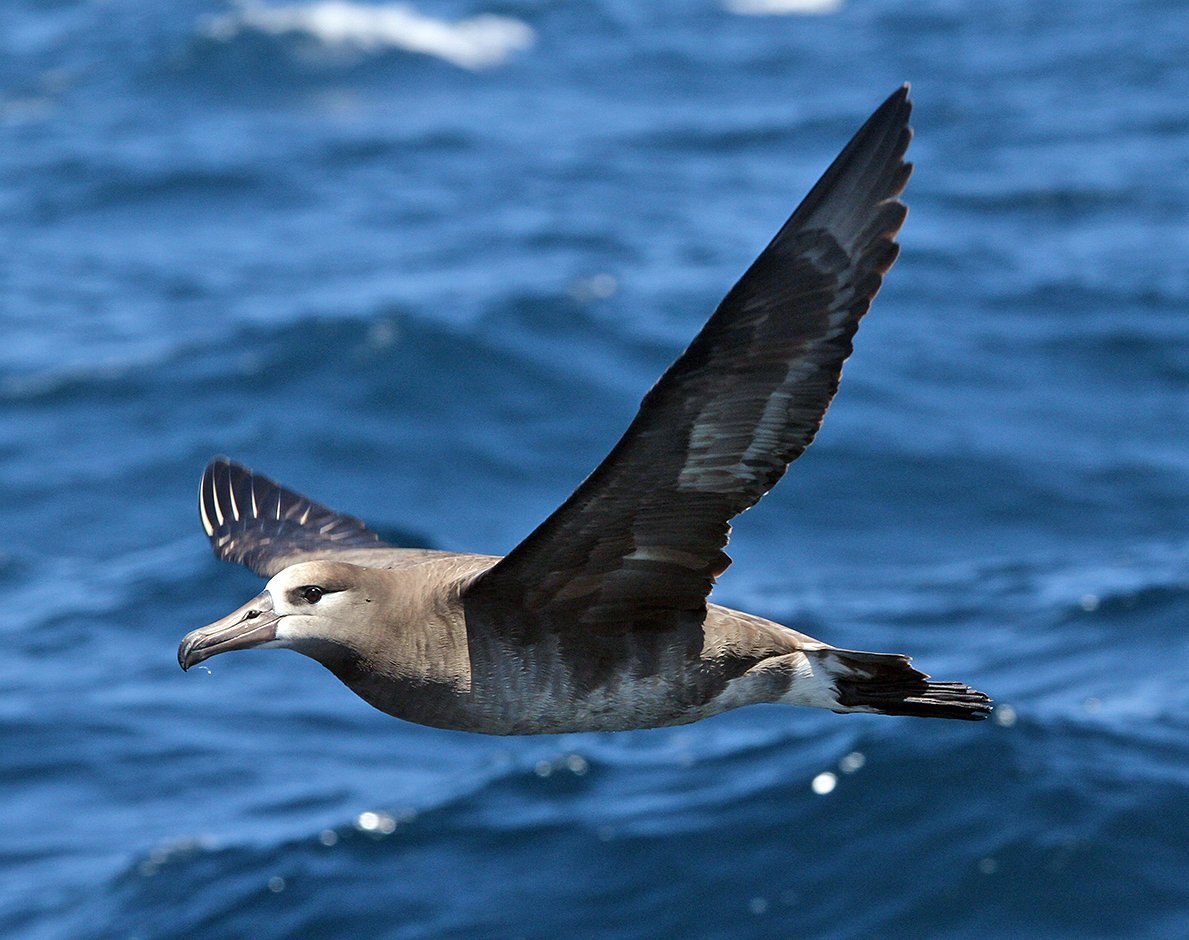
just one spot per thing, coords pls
(810, 683)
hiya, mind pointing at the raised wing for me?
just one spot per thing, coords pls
(256, 522)
(639, 543)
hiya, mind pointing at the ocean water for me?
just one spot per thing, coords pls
(421, 261)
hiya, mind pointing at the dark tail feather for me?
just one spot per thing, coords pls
(887, 684)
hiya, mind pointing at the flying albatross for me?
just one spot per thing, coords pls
(599, 620)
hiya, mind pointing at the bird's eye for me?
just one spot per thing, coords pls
(311, 594)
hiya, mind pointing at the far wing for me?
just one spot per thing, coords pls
(256, 522)
(639, 543)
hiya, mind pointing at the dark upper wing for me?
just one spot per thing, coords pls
(641, 540)
(260, 524)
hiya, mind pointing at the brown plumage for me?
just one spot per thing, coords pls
(599, 619)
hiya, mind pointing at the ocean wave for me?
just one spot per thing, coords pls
(526, 785)
(362, 343)
(604, 831)
(783, 7)
(196, 360)
(1130, 575)
(1134, 576)
(474, 43)
(83, 589)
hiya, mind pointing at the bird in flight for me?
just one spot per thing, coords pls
(600, 620)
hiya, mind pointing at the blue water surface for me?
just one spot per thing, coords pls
(421, 261)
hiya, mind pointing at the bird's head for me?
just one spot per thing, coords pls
(310, 607)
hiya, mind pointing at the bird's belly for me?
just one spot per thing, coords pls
(635, 681)
(548, 695)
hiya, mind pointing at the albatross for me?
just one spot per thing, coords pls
(600, 620)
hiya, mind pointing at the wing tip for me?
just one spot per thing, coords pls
(898, 100)
(894, 111)
(869, 171)
(886, 134)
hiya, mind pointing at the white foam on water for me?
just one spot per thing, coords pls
(783, 7)
(474, 43)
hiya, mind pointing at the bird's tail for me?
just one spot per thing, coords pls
(885, 683)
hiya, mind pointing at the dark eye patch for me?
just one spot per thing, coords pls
(311, 593)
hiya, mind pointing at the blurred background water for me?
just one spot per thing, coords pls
(421, 261)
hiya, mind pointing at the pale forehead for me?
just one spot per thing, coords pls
(307, 572)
